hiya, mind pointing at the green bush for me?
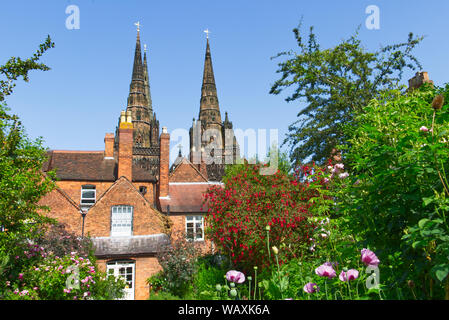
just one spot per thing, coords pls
(397, 197)
(70, 277)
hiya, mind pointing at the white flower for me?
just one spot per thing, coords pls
(343, 175)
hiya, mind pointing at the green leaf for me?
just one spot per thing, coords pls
(422, 222)
(441, 271)
(426, 201)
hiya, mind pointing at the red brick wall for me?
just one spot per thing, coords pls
(109, 145)
(186, 173)
(179, 228)
(73, 188)
(125, 153)
(145, 267)
(145, 219)
(62, 210)
(164, 164)
(150, 192)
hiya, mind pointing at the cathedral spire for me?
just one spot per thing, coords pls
(137, 67)
(146, 79)
(145, 125)
(209, 107)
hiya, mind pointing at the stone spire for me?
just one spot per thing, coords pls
(147, 80)
(137, 95)
(137, 68)
(138, 103)
(209, 107)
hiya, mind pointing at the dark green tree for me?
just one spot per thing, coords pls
(336, 84)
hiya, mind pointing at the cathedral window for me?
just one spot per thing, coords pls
(195, 228)
(138, 115)
(88, 195)
(121, 221)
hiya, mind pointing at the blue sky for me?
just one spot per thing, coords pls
(79, 100)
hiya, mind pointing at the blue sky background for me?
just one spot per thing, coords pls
(79, 100)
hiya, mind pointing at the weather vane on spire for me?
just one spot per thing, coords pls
(138, 25)
(207, 33)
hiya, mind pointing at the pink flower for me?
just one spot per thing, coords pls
(235, 276)
(340, 166)
(20, 276)
(66, 290)
(326, 270)
(369, 258)
(424, 129)
(311, 287)
(351, 274)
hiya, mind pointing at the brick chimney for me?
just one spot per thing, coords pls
(109, 146)
(164, 163)
(125, 146)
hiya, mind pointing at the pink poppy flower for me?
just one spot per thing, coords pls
(351, 274)
(326, 270)
(235, 276)
(369, 258)
(424, 129)
(311, 287)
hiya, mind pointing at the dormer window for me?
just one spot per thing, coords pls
(88, 195)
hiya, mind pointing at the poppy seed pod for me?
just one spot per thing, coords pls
(438, 102)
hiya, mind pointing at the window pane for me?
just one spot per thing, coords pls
(122, 217)
(88, 194)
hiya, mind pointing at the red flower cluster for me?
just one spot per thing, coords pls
(239, 213)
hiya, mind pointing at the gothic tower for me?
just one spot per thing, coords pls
(212, 142)
(146, 126)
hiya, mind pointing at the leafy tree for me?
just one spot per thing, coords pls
(16, 67)
(336, 84)
(22, 183)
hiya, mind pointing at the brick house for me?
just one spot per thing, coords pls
(126, 197)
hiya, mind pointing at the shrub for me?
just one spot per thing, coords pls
(70, 277)
(239, 214)
(178, 262)
(399, 157)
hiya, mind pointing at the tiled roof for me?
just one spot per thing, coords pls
(185, 198)
(88, 166)
(132, 245)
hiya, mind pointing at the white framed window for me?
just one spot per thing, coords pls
(195, 228)
(124, 269)
(88, 195)
(121, 221)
